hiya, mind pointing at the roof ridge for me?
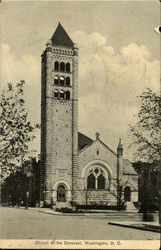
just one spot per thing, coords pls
(106, 146)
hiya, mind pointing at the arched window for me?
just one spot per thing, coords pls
(61, 94)
(91, 182)
(96, 179)
(68, 81)
(56, 94)
(56, 80)
(101, 182)
(56, 67)
(68, 95)
(68, 67)
(62, 81)
(127, 194)
(62, 66)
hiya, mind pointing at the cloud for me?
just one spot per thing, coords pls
(14, 69)
(26, 68)
(109, 83)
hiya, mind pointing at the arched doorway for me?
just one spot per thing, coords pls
(127, 194)
(61, 194)
(65, 189)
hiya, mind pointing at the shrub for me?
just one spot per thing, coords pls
(64, 210)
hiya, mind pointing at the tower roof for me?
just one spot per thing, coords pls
(60, 37)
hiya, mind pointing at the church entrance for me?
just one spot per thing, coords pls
(61, 194)
(127, 194)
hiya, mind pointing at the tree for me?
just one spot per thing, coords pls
(13, 189)
(15, 129)
(146, 131)
(147, 139)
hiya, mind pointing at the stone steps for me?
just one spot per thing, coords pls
(63, 204)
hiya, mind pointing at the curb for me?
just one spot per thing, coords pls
(69, 214)
(62, 214)
(143, 227)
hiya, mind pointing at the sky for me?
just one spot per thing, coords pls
(119, 58)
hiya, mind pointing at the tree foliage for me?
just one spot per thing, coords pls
(15, 129)
(146, 131)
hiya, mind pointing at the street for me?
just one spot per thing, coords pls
(20, 223)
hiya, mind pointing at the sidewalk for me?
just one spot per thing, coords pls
(147, 226)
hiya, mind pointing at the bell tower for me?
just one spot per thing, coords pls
(59, 121)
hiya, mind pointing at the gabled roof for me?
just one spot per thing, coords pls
(83, 141)
(60, 37)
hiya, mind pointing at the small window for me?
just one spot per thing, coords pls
(62, 81)
(62, 66)
(56, 80)
(68, 67)
(68, 81)
(68, 95)
(56, 94)
(97, 152)
(56, 67)
(61, 94)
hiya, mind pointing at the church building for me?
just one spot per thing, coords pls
(75, 170)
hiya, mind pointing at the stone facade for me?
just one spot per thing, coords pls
(74, 168)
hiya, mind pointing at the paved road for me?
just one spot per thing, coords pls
(18, 223)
